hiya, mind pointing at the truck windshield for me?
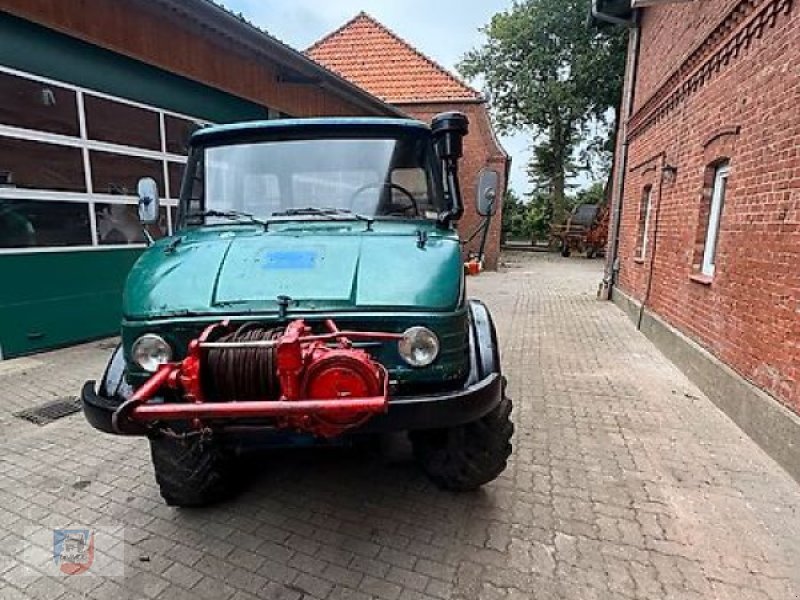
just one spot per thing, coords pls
(313, 178)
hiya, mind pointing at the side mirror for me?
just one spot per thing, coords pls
(149, 213)
(486, 198)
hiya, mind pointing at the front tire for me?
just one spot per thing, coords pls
(191, 471)
(464, 458)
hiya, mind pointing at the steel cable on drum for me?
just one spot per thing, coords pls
(243, 373)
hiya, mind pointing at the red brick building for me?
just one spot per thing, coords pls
(368, 54)
(708, 198)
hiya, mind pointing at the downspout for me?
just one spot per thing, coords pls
(618, 185)
(663, 170)
(507, 182)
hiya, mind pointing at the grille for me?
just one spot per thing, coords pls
(50, 411)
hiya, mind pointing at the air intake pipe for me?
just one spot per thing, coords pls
(449, 130)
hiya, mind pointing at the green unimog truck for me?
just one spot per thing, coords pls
(313, 291)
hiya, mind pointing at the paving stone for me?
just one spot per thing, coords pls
(145, 584)
(183, 575)
(408, 579)
(312, 586)
(625, 483)
(380, 588)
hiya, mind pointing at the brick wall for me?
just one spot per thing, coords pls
(481, 150)
(675, 30)
(732, 95)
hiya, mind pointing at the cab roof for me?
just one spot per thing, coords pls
(293, 128)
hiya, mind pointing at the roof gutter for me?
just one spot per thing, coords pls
(212, 16)
(608, 18)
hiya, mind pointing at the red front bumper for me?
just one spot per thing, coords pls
(268, 408)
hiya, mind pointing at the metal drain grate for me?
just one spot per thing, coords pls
(50, 411)
(108, 344)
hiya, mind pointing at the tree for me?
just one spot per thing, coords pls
(594, 194)
(513, 209)
(525, 221)
(546, 71)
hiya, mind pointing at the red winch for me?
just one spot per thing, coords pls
(317, 383)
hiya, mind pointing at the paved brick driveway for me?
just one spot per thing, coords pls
(625, 483)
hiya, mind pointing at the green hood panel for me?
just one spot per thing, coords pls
(259, 269)
(320, 266)
(180, 281)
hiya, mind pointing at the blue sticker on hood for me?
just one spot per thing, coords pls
(290, 259)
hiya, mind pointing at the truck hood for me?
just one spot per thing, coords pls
(319, 266)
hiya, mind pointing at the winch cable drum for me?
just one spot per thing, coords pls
(244, 374)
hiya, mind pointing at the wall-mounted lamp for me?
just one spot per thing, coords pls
(47, 97)
(669, 172)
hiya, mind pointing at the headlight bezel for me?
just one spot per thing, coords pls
(410, 342)
(157, 344)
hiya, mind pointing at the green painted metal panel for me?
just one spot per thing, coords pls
(323, 267)
(29, 47)
(380, 278)
(236, 132)
(452, 328)
(55, 298)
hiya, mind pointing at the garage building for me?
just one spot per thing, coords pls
(93, 99)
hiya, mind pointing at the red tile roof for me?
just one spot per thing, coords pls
(375, 58)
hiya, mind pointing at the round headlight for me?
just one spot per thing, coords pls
(419, 346)
(150, 351)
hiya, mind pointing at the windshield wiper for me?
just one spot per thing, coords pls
(229, 214)
(323, 212)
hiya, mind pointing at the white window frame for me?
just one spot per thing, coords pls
(718, 191)
(646, 233)
(170, 197)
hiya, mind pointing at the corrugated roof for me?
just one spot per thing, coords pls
(369, 54)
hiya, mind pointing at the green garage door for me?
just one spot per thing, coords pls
(78, 126)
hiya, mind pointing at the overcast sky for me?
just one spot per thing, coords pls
(442, 29)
